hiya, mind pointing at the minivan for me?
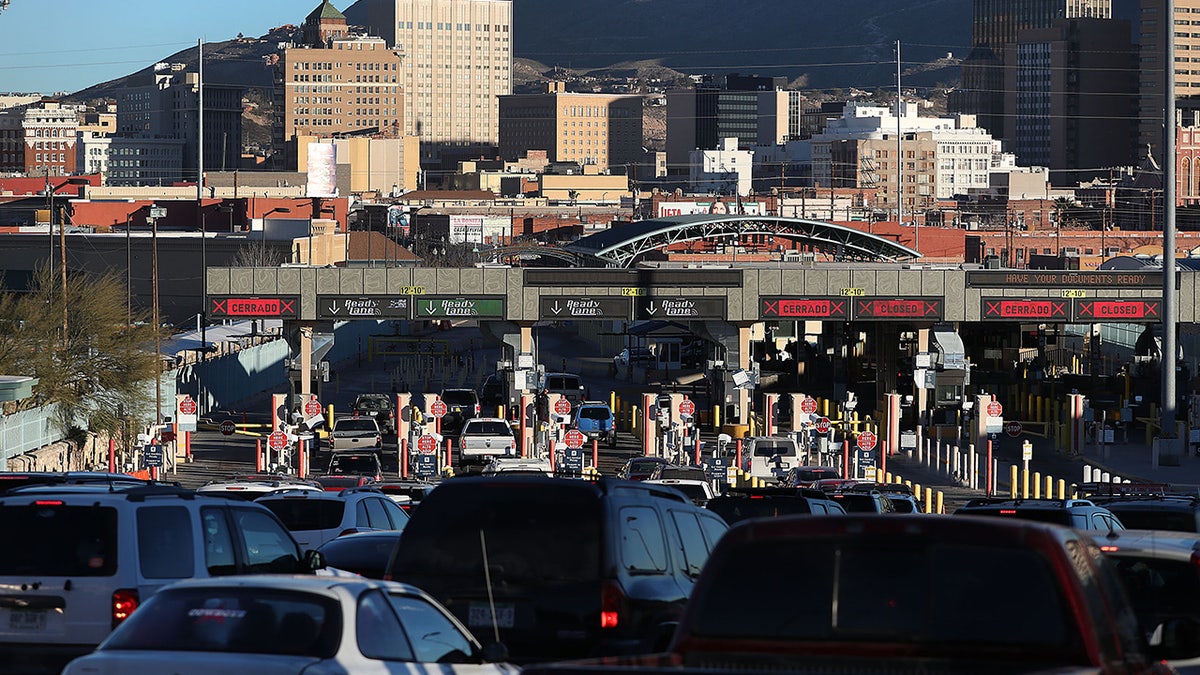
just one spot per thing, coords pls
(576, 568)
(566, 384)
(771, 457)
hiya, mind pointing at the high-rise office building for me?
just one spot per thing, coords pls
(604, 130)
(995, 25)
(457, 62)
(751, 109)
(1187, 66)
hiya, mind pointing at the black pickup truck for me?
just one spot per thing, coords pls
(903, 594)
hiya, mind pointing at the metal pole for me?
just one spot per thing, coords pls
(899, 152)
(157, 323)
(200, 121)
(1168, 277)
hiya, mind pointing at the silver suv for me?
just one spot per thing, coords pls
(84, 554)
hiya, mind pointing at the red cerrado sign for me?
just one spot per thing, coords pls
(804, 308)
(282, 307)
(995, 308)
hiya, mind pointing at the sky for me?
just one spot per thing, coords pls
(50, 46)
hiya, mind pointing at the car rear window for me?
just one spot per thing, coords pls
(487, 429)
(354, 464)
(594, 412)
(691, 490)
(853, 503)
(307, 514)
(735, 509)
(561, 523)
(58, 540)
(1056, 516)
(1175, 520)
(464, 397)
(363, 424)
(562, 383)
(931, 586)
(809, 475)
(239, 620)
(772, 448)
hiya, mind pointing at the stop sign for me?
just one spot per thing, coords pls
(687, 408)
(563, 407)
(277, 440)
(427, 445)
(994, 409)
(187, 406)
(574, 439)
(1012, 428)
(809, 406)
(866, 440)
(228, 427)
(823, 425)
(438, 409)
(312, 407)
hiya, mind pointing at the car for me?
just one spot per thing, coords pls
(314, 518)
(493, 393)
(290, 624)
(740, 504)
(339, 483)
(638, 356)
(770, 457)
(1161, 577)
(515, 465)
(483, 438)
(251, 489)
(678, 472)
(640, 468)
(699, 491)
(363, 553)
(833, 484)
(355, 464)
(1153, 510)
(1081, 514)
(354, 433)
(568, 385)
(596, 421)
(379, 406)
(570, 567)
(805, 476)
(863, 501)
(91, 552)
(461, 405)
(406, 493)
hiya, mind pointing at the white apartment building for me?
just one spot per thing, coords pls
(724, 171)
(456, 63)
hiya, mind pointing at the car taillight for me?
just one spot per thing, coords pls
(48, 502)
(1008, 512)
(124, 601)
(612, 603)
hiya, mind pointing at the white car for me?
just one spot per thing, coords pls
(511, 465)
(354, 433)
(699, 491)
(251, 489)
(315, 517)
(291, 624)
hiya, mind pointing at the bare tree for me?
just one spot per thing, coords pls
(257, 254)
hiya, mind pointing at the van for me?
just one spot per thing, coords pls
(566, 384)
(576, 568)
(771, 457)
(83, 555)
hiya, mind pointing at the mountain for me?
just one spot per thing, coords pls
(814, 44)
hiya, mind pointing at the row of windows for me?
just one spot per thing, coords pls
(58, 157)
(332, 65)
(446, 25)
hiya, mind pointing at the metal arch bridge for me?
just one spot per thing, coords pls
(502, 254)
(622, 244)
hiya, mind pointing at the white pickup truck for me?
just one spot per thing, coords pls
(484, 438)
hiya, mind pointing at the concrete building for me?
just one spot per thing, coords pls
(130, 161)
(754, 110)
(369, 165)
(165, 108)
(1187, 69)
(1071, 97)
(457, 63)
(995, 26)
(601, 130)
(723, 171)
(39, 139)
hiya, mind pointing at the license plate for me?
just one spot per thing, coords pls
(481, 615)
(27, 619)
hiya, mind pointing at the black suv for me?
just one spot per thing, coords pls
(379, 406)
(1150, 511)
(1080, 514)
(461, 405)
(576, 567)
(742, 503)
(493, 393)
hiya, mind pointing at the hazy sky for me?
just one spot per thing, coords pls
(50, 46)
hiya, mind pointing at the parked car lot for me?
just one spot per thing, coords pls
(288, 624)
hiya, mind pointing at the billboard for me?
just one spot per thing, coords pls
(722, 206)
(322, 170)
(466, 229)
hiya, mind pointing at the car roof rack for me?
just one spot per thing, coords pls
(114, 481)
(1113, 489)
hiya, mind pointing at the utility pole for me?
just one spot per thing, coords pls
(155, 214)
(62, 256)
(1168, 275)
(899, 148)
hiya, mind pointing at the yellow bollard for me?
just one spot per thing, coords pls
(329, 417)
(928, 500)
(633, 419)
(717, 417)
(1012, 482)
(1062, 489)
(1024, 485)
(1037, 485)
(612, 401)
(917, 490)
(1049, 487)
(751, 426)
(941, 503)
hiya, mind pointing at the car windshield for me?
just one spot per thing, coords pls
(642, 465)
(560, 523)
(931, 586)
(487, 429)
(302, 515)
(458, 397)
(352, 424)
(1159, 587)
(240, 620)
(562, 383)
(365, 554)
(772, 448)
(353, 464)
(903, 505)
(58, 540)
(735, 509)
(372, 403)
(594, 412)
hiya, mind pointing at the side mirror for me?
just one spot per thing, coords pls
(1175, 639)
(314, 560)
(494, 652)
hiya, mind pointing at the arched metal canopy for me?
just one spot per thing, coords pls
(623, 244)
